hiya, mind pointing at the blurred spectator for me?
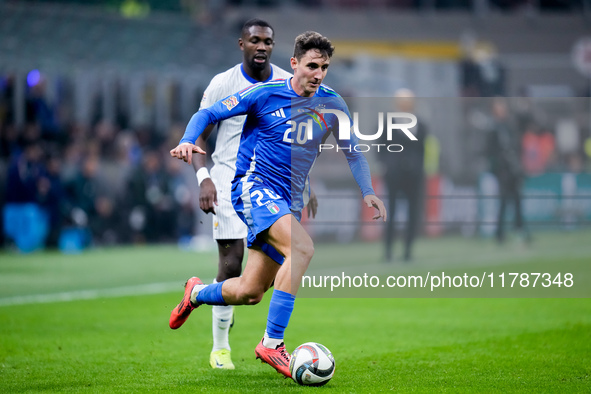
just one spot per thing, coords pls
(504, 154)
(129, 152)
(9, 140)
(24, 172)
(91, 206)
(39, 110)
(404, 176)
(23, 220)
(107, 225)
(482, 73)
(152, 205)
(538, 150)
(83, 189)
(51, 196)
(569, 144)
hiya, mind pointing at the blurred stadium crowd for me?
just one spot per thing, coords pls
(113, 181)
(84, 149)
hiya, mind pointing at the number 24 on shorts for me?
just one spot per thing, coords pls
(258, 196)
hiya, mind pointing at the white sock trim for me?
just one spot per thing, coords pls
(194, 292)
(271, 343)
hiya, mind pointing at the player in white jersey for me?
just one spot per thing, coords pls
(256, 43)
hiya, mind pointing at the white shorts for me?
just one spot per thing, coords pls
(226, 223)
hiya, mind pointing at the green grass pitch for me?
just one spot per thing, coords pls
(108, 339)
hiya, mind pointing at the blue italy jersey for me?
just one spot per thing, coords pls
(281, 137)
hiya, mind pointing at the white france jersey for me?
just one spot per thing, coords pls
(229, 130)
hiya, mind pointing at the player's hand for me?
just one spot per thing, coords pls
(185, 151)
(312, 204)
(373, 201)
(208, 196)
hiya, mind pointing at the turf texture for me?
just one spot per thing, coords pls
(106, 342)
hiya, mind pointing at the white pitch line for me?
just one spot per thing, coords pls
(92, 294)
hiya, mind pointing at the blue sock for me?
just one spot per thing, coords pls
(211, 294)
(279, 313)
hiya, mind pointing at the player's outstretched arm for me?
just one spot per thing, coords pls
(373, 201)
(184, 151)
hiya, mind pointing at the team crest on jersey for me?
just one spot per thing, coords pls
(315, 114)
(273, 208)
(230, 102)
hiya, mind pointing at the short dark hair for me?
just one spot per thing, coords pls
(312, 40)
(255, 22)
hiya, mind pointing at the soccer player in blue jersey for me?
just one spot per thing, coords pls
(256, 42)
(286, 122)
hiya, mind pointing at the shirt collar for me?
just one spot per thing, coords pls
(252, 80)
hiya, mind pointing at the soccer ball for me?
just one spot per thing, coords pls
(312, 364)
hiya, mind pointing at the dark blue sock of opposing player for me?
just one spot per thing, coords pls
(280, 310)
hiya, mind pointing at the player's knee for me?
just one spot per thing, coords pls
(251, 296)
(254, 299)
(304, 249)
